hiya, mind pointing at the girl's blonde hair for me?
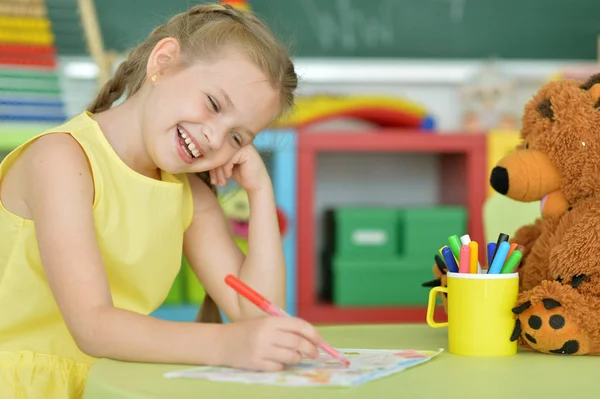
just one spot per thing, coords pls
(202, 32)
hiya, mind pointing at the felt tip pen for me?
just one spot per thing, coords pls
(465, 259)
(466, 240)
(501, 238)
(454, 242)
(441, 249)
(513, 260)
(491, 248)
(513, 246)
(499, 258)
(273, 310)
(474, 266)
(450, 261)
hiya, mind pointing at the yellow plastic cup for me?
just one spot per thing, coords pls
(480, 319)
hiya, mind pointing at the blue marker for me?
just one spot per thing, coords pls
(450, 261)
(491, 248)
(499, 258)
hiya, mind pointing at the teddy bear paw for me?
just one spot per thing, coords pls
(545, 326)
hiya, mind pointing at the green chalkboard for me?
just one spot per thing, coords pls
(532, 29)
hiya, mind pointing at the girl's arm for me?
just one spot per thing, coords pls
(213, 253)
(59, 192)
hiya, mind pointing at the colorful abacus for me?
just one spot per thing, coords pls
(29, 83)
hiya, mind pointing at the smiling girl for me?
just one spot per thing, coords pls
(95, 214)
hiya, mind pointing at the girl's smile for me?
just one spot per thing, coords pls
(187, 147)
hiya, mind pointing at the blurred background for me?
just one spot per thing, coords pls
(403, 108)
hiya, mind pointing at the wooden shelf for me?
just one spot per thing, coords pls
(462, 171)
(391, 140)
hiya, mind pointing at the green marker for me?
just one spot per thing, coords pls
(455, 244)
(512, 261)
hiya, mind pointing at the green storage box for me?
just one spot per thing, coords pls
(381, 232)
(424, 230)
(380, 282)
(381, 256)
(365, 232)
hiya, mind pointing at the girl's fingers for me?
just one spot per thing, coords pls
(221, 176)
(298, 343)
(271, 366)
(229, 169)
(281, 355)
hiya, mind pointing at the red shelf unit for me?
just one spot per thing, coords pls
(462, 169)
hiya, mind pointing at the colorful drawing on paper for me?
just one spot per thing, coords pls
(366, 365)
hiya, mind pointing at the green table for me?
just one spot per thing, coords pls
(526, 375)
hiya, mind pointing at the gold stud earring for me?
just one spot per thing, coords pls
(153, 78)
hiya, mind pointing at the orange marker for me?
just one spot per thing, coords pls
(513, 246)
(474, 261)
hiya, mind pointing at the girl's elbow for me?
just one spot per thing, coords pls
(88, 343)
(91, 349)
(88, 336)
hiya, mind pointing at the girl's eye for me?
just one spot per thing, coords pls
(213, 103)
(236, 138)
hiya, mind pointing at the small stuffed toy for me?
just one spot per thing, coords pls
(236, 208)
(488, 101)
(440, 270)
(558, 164)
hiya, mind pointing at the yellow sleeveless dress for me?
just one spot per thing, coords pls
(140, 224)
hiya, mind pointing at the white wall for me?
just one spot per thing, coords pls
(434, 84)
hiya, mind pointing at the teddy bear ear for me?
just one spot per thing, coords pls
(593, 86)
(595, 91)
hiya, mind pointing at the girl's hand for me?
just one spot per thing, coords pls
(268, 343)
(246, 168)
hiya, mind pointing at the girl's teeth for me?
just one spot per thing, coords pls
(190, 146)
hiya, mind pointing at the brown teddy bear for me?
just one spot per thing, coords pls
(558, 163)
